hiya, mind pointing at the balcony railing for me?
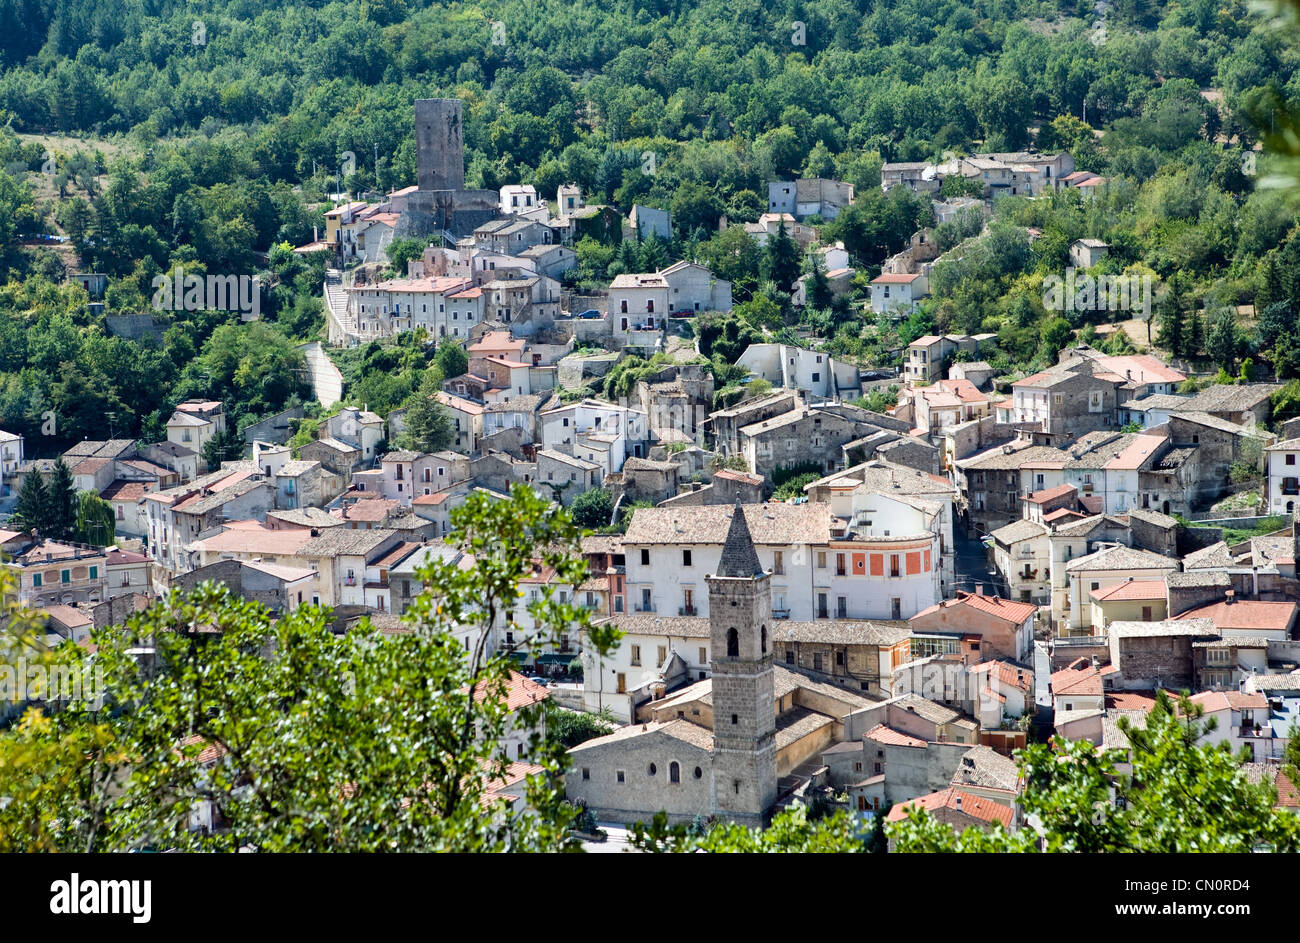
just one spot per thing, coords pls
(686, 611)
(645, 607)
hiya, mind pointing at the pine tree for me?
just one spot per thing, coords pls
(1195, 331)
(62, 498)
(781, 259)
(33, 510)
(428, 425)
(1169, 313)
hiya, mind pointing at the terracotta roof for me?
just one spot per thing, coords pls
(882, 734)
(956, 799)
(123, 490)
(1245, 614)
(1006, 673)
(519, 692)
(1009, 610)
(1051, 494)
(1229, 700)
(1080, 678)
(891, 279)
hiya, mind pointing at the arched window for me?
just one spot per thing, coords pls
(763, 640)
(733, 643)
(652, 769)
(674, 772)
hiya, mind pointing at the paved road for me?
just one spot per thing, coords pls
(972, 564)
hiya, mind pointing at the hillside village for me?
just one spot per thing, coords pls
(981, 562)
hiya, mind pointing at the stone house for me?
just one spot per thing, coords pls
(855, 655)
(280, 588)
(1156, 654)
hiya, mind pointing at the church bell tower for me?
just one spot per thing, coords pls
(744, 707)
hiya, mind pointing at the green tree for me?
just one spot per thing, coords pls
(593, 509)
(1224, 340)
(33, 508)
(793, 831)
(319, 741)
(96, 523)
(781, 259)
(224, 446)
(428, 424)
(451, 360)
(62, 497)
(1183, 795)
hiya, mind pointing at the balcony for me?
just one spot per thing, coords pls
(780, 613)
(687, 611)
(644, 607)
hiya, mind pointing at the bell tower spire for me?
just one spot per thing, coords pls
(744, 706)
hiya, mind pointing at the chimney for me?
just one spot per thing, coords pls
(1229, 597)
(957, 804)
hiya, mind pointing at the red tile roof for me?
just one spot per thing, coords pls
(1080, 678)
(958, 800)
(1051, 494)
(1014, 612)
(882, 734)
(1230, 700)
(520, 692)
(1006, 673)
(1245, 614)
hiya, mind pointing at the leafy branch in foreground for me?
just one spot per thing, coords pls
(299, 739)
(1181, 795)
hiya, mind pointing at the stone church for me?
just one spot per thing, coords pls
(733, 734)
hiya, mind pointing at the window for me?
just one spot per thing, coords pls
(663, 656)
(735, 719)
(674, 772)
(762, 639)
(778, 562)
(620, 776)
(789, 656)
(645, 557)
(65, 576)
(636, 655)
(586, 772)
(896, 608)
(652, 769)
(686, 558)
(821, 560)
(36, 580)
(94, 572)
(699, 773)
(817, 661)
(839, 658)
(733, 643)
(893, 564)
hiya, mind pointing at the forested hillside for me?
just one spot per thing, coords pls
(153, 133)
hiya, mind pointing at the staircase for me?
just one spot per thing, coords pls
(341, 326)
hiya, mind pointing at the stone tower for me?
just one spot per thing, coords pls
(744, 709)
(439, 144)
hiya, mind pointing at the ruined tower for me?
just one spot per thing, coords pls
(439, 144)
(744, 708)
